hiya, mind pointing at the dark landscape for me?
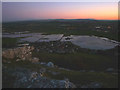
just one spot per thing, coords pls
(49, 63)
(71, 44)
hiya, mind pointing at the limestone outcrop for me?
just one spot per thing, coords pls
(20, 52)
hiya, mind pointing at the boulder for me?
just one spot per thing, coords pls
(50, 64)
(32, 79)
(23, 53)
(68, 84)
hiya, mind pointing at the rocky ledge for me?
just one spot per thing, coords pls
(25, 78)
(19, 53)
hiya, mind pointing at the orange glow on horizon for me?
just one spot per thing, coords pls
(31, 11)
(99, 13)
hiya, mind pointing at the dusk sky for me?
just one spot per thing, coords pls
(15, 11)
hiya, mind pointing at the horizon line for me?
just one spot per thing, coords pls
(63, 19)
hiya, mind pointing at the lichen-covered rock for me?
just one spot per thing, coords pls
(23, 53)
(28, 79)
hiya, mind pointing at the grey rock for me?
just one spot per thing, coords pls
(50, 64)
(28, 79)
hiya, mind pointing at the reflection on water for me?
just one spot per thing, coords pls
(91, 42)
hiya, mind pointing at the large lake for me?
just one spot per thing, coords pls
(90, 42)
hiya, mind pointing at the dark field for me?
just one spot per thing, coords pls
(107, 29)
